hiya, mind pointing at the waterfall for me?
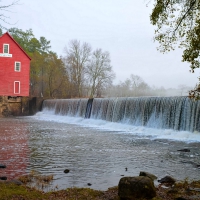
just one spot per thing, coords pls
(178, 113)
(70, 107)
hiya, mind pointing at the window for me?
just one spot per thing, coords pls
(17, 66)
(6, 48)
(16, 87)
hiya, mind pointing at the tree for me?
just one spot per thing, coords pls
(178, 23)
(45, 45)
(37, 63)
(183, 89)
(26, 40)
(54, 76)
(99, 72)
(131, 87)
(76, 60)
(3, 17)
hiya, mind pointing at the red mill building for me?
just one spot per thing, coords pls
(14, 72)
(14, 68)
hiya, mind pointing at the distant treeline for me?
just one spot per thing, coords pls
(81, 72)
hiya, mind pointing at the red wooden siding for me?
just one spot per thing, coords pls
(12, 82)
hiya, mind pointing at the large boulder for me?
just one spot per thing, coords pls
(131, 188)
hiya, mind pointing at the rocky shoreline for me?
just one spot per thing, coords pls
(129, 188)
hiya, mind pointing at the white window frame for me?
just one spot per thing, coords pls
(14, 87)
(4, 49)
(17, 70)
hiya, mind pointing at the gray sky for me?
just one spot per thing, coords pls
(121, 27)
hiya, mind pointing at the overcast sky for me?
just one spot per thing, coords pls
(121, 27)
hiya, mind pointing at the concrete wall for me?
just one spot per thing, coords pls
(19, 106)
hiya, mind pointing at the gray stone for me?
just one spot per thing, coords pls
(167, 181)
(66, 171)
(16, 182)
(151, 176)
(2, 166)
(131, 188)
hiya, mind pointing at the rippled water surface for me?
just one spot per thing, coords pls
(93, 156)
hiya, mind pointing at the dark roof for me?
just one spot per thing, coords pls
(16, 43)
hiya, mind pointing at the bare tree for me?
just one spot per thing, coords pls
(133, 86)
(137, 84)
(77, 57)
(184, 89)
(99, 72)
(4, 8)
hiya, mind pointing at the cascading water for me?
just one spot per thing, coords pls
(178, 113)
(70, 107)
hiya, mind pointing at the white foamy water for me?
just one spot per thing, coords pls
(140, 131)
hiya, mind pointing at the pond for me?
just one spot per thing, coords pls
(95, 152)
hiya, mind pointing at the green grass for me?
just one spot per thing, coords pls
(15, 192)
(12, 191)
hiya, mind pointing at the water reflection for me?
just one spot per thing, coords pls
(14, 151)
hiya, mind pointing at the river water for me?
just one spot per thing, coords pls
(94, 151)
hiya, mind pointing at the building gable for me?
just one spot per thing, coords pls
(13, 41)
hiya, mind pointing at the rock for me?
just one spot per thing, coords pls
(184, 150)
(2, 166)
(3, 178)
(194, 189)
(15, 181)
(167, 181)
(194, 197)
(131, 188)
(66, 171)
(151, 176)
(180, 198)
(89, 184)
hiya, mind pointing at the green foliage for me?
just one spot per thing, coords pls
(44, 45)
(178, 24)
(48, 76)
(28, 42)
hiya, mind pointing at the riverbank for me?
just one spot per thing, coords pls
(183, 190)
